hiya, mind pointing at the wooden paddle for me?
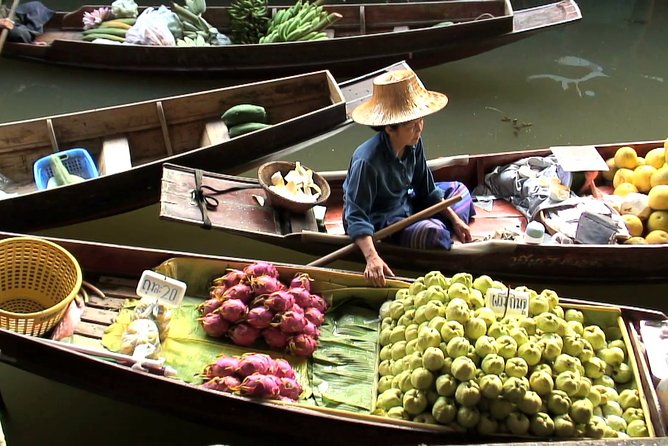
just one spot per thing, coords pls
(388, 230)
(5, 31)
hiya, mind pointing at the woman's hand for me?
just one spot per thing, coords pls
(462, 230)
(376, 270)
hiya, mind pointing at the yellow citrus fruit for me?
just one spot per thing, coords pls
(625, 189)
(660, 176)
(626, 157)
(633, 224)
(623, 175)
(658, 197)
(658, 220)
(641, 177)
(657, 237)
(609, 174)
(635, 241)
(656, 157)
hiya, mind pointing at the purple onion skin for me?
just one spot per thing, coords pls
(315, 316)
(223, 383)
(251, 363)
(275, 338)
(302, 345)
(266, 284)
(302, 296)
(283, 368)
(302, 280)
(214, 325)
(290, 388)
(224, 366)
(261, 268)
(243, 334)
(233, 310)
(259, 317)
(258, 385)
(208, 306)
(292, 322)
(279, 301)
(239, 291)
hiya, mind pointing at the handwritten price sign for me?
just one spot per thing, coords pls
(160, 287)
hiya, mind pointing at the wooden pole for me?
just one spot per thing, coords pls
(5, 31)
(388, 230)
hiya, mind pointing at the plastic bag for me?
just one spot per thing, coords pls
(151, 28)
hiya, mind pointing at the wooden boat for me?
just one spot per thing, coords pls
(115, 272)
(129, 143)
(505, 258)
(368, 37)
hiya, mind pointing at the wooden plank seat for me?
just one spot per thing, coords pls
(215, 132)
(115, 156)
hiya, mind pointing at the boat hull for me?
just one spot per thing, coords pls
(367, 37)
(503, 258)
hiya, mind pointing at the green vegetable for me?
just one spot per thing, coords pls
(245, 113)
(61, 175)
(247, 127)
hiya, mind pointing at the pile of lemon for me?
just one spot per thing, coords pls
(643, 184)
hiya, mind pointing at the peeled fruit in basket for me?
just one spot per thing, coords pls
(626, 157)
(658, 198)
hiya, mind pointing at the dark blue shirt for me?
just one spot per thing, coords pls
(380, 188)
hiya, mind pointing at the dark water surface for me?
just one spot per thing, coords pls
(602, 79)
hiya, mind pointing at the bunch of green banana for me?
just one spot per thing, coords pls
(302, 21)
(196, 30)
(111, 30)
(249, 20)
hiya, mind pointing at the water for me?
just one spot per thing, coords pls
(599, 80)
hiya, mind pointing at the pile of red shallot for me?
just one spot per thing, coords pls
(252, 304)
(253, 374)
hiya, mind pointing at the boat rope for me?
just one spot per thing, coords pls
(206, 201)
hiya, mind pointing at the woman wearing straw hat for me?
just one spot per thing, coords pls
(388, 178)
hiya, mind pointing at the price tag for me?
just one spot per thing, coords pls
(164, 289)
(507, 302)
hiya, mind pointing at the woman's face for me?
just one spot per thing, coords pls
(408, 133)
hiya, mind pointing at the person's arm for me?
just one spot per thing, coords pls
(376, 268)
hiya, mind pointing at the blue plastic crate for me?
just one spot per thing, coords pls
(77, 161)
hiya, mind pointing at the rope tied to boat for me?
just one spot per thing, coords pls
(204, 196)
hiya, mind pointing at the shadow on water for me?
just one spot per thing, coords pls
(599, 80)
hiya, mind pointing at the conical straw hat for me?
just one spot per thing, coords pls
(398, 96)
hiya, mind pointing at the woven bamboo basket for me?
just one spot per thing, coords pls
(38, 281)
(264, 174)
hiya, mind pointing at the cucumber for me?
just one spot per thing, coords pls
(245, 113)
(246, 127)
(61, 175)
